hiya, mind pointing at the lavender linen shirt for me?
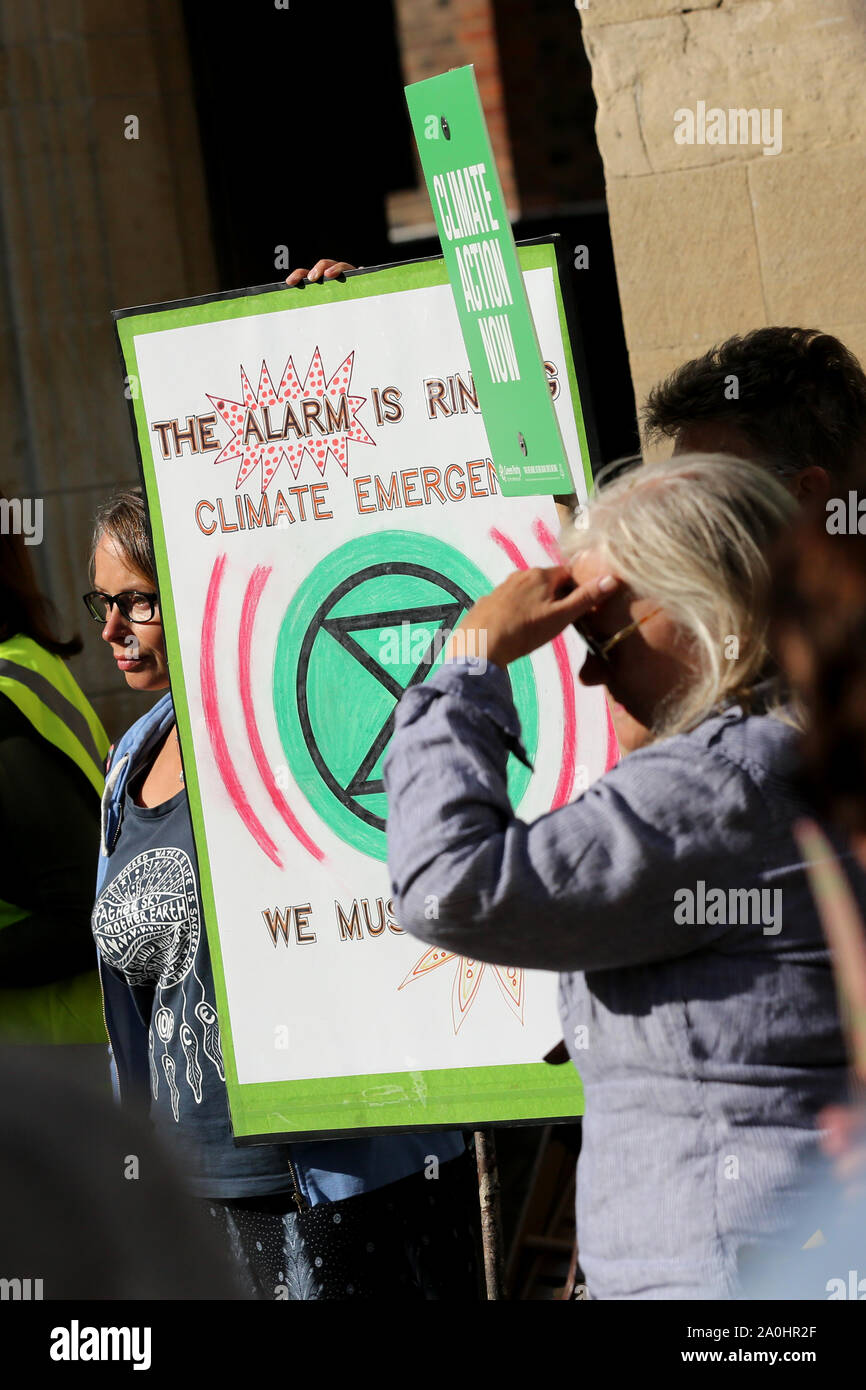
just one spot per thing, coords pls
(705, 1049)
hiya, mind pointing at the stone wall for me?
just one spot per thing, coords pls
(712, 239)
(90, 221)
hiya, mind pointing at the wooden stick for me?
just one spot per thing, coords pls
(491, 1214)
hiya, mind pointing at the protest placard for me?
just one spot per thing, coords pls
(324, 507)
(489, 295)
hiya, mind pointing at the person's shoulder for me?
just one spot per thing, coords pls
(14, 724)
(724, 750)
(138, 733)
(762, 740)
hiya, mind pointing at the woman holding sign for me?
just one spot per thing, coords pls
(357, 1218)
(696, 996)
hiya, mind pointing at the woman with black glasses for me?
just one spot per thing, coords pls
(331, 1220)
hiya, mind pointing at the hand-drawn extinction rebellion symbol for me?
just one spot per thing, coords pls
(337, 682)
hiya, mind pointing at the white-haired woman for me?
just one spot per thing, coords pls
(696, 993)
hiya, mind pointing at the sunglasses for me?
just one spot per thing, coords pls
(600, 649)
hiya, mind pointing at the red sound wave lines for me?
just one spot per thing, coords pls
(210, 704)
(565, 781)
(258, 579)
(548, 541)
(613, 753)
(565, 784)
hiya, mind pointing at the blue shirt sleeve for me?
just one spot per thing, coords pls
(589, 886)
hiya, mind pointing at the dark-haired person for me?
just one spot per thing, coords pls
(355, 1218)
(819, 622)
(52, 751)
(792, 400)
(819, 628)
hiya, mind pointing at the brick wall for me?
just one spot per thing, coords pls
(535, 87)
(435, 35)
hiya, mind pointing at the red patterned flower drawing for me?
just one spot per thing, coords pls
(315, 416)
(467, 978)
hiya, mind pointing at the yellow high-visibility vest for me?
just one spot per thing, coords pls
(41, 686)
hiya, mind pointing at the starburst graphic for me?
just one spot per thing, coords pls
(315, 416)
(467, 978)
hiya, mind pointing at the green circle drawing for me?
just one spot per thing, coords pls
(360, 629)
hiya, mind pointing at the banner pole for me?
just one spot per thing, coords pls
(491, 1214)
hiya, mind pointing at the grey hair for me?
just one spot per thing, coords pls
(693, 533)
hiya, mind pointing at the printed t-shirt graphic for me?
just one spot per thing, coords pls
(147, 923)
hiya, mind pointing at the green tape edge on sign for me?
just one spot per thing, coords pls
(458, 1096)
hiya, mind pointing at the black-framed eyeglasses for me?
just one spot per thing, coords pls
(601, 649)
(134, 605)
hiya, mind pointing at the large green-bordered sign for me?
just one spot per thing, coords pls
(324, 510)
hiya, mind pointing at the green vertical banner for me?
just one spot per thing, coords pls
(481, 258)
